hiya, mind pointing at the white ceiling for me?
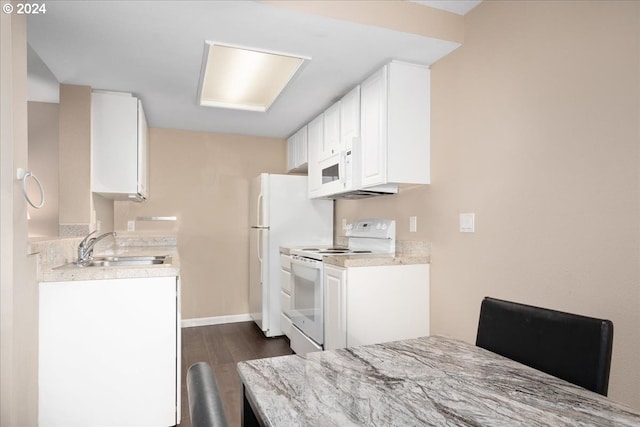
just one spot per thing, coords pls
(154, 49)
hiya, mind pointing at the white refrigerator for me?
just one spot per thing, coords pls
(280, 214)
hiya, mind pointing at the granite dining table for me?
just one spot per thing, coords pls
(428, 381)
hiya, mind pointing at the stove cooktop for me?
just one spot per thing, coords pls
(334, 251)
(318, 253)
(368, 236)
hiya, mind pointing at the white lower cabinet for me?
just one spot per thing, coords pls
(109, 352)
(335, 304)
(285, 294)
(370, 305)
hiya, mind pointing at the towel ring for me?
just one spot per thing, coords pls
(26, 175)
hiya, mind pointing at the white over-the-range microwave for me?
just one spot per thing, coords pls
(337, 173)
(341, 176)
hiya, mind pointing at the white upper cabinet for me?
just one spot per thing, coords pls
(350, 118)
(119, 146)
(297, 153)
(341, 125)
(315, 131)
(376, 137)
(331, 140)
(333, 134)
(395, 126)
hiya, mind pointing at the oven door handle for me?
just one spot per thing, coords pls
(311, 263)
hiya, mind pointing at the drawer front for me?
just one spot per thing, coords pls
(285, 325)
(285, 281)
(301, 344)
(285, 303)
(285, 262)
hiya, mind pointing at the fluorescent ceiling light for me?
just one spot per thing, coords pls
(245, 79)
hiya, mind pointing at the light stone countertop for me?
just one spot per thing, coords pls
(428, 381)
(54, 253)
(370, 260)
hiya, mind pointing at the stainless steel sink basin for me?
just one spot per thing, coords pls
(122, 261)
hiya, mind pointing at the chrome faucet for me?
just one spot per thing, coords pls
(85, 248)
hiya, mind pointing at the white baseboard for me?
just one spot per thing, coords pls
(218, 320)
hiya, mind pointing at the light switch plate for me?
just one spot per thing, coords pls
(467, 222)
(413, 224)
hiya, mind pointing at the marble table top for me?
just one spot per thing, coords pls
(429, 381)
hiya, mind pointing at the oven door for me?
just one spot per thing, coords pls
(307, 303)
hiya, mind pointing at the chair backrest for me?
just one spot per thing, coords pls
(569, 346)
(205, 405)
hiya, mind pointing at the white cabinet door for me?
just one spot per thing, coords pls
(143, 153)
(315, 131)
(108, 352)
(331, 140)
(350, 118)
(291, 152)
(373, 128)
(119, 154)
(387, 303)
(297, 151)
(301, 148)
(395, 126)
(335, 308)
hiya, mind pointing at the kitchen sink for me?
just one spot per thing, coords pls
(122, 261)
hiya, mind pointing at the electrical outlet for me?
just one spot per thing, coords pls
(344, 223)
(131, 226)
(413, 224)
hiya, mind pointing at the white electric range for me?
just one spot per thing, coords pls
(367, 236)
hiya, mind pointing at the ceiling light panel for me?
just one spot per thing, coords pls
(243, 78)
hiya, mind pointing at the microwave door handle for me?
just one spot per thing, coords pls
(342, 168)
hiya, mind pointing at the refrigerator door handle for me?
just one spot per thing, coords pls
(259, 211)
(258, 249)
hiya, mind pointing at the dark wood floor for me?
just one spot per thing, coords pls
(223, 346)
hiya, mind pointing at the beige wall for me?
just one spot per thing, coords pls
(535, 128)
(75, 154)
(79, 209)
(203, 179)
(43, 162)
(394, 15)
(18, 288)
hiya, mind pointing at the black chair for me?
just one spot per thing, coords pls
(205, 406)
(568, 346)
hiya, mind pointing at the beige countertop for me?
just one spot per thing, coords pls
(56, 254)
(369, 260)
